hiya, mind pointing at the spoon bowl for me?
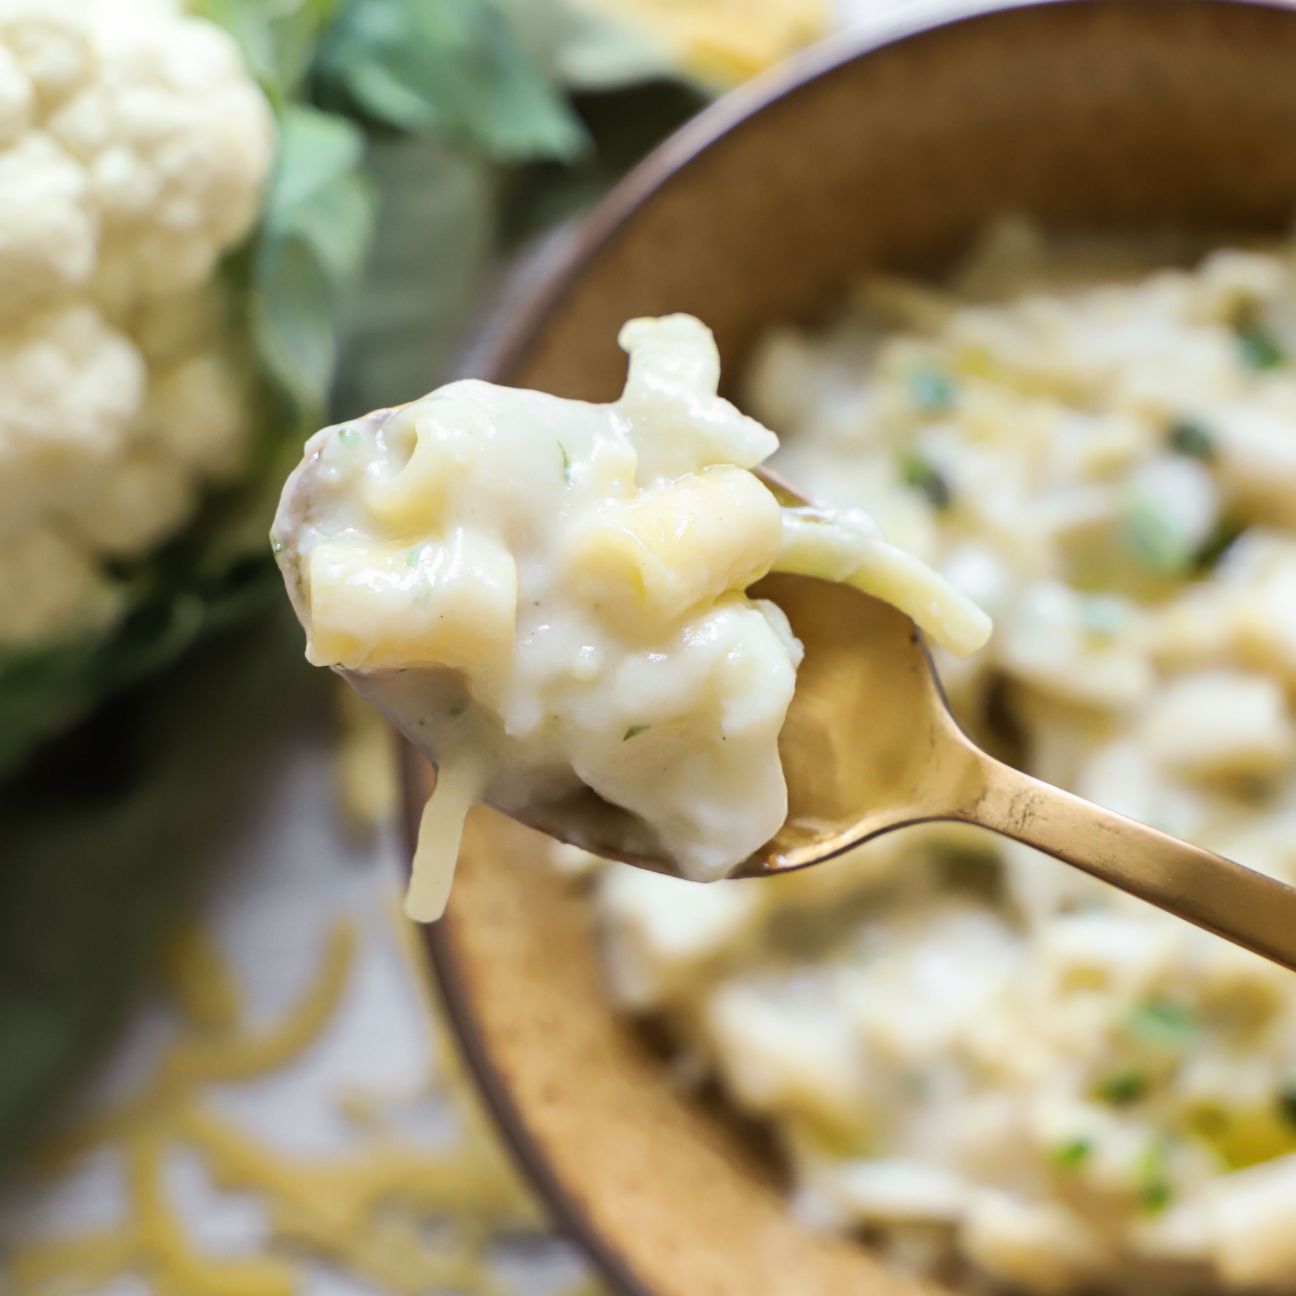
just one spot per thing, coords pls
(867, 725)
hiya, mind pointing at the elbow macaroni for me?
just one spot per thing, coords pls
(549, 596)
(984, 1058)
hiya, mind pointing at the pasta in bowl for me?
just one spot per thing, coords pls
(985, 1068)
(1096, 454)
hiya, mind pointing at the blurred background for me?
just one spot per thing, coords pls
(226, 223)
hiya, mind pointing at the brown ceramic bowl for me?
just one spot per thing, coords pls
(1092, 113)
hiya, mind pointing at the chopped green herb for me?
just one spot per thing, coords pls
(1162, 1022)
(1072, 1155)
(1103, 615)
(919, 474)
(566, 462)
(932, 389)
(457, 710)
(1191, 438)
(1257, 347)
(1215, 547)
(1154, 541)
(413, 556)
(1154, 1190)
(1122, 1088)
(1287, 1102)
(349, 435)
(634, 731)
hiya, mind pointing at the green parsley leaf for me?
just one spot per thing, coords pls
(1216, 545)
(1154, 1190)
(634, 731)
(1162, 1023)
(1072, 1154)
(921, 476)
(1257, 347)
(1189, 437)
(566, 463)
(1122, 1088)
(932, 389)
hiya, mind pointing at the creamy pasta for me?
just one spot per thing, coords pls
(978, 1057)
(549, 597)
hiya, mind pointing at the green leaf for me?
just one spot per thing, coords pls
(104, 842)
(292, 321)
(634, 731)
(589, 50)
(316, 149)
(278, 38)
(404, 318)
(623, 126)
(452, 66)
(337, 225)
(315, 233)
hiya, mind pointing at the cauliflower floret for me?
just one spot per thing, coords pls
(198, 410)
(16, 98)
(69, 388)
(176, 142)
(50, 42)
(134, 150)
(145, 498)
(48, 226)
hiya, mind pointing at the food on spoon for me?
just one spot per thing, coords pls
(548, 597)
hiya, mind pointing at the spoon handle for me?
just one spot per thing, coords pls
(1248, 908)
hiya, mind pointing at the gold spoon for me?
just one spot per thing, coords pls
(869, 746)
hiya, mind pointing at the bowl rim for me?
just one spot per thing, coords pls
(540, 285)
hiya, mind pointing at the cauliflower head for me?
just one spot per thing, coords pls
(134, 152)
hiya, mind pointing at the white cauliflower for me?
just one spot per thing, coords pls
(134, 151)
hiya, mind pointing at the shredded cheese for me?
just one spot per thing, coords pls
(364, 1210)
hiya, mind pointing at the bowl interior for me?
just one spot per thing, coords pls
(1089, 113)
